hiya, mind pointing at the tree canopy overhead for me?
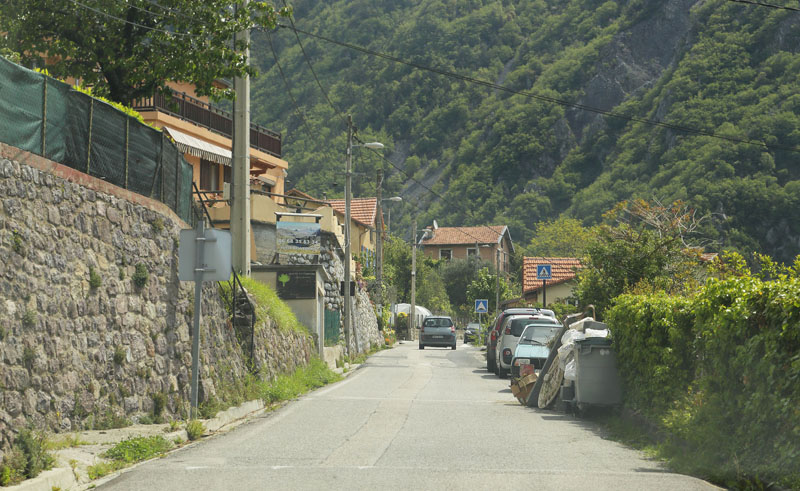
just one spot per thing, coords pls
(131, 49)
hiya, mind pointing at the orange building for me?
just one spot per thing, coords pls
(204, 133)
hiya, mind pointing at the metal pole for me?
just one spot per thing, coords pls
(347, 198)
(198, 300)
(544, 294)
(412, 311)
(497, 284)
(240, 208)
(379, 241)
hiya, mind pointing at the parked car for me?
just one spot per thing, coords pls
(493, 334)
(509, 334)
(437, 331)
(471, 332)
(531, 351)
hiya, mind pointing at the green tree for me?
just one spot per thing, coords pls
(563, 237)
(457, 273)
(485, 286)
(128, 50)
(644, 248)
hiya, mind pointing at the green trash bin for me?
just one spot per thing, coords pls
(596, 377)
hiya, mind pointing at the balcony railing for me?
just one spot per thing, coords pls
(215, 119)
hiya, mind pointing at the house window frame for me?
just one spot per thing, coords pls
(473, 251)
(449, 254)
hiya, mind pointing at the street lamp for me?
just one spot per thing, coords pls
(347, 253)
(389, 212)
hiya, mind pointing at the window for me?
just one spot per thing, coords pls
(209, 175)
(446, 254)
(472, 251)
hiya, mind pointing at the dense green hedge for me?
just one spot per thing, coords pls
(720, 374)
(654, 337)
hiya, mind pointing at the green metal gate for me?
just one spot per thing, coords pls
(332, 321)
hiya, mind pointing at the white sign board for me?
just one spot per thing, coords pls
(216, 255)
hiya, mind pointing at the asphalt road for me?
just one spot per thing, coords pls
(408, 419)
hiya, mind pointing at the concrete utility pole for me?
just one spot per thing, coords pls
(240, 195)
(348, 176)
(379, 238)
(412, 311)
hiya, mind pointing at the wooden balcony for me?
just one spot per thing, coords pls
(188, 108)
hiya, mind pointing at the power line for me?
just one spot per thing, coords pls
(308, 62)
(770, 5)
(97, 11)
(552, 100)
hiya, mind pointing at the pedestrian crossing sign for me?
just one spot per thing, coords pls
(543, 272)
(481, 306)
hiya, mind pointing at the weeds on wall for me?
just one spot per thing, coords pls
(140, 276)
(94, 279)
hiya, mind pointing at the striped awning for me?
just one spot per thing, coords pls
(199, 148)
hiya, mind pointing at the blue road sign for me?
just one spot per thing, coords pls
(543, 272)
(481, 306)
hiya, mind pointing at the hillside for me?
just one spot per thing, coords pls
(720, 78)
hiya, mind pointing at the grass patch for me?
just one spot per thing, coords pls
(195, 429)
(68, 441)
(138, 449)
(285, 387)
(268, 305)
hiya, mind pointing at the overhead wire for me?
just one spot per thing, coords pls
(105, 14)
(311, 67)
(764, 4)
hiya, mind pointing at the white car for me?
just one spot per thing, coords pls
(509, 335)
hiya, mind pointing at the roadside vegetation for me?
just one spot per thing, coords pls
(708, 353)
(26, 458)
(268, 305)
(129, 452)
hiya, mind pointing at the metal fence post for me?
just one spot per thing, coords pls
(89, 143)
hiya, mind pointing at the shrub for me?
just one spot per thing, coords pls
(29, 318)
(195, 429)
(33, 445)
(159, 403)
(119, 355)
(653, 336)
(140, 276)
(94, 279)
(12, 469)
(268, 304)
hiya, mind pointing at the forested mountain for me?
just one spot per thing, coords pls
(704, 96)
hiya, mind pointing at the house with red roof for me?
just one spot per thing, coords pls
(558, 288)
(490, 243)
(364, 221)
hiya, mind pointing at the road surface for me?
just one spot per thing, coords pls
(408, 419)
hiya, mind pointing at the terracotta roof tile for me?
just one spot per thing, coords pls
(362, 210)
(562, 269)
(466, 235)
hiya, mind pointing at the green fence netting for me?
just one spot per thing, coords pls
(49, 118)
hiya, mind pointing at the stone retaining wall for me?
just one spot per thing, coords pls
(81, 344)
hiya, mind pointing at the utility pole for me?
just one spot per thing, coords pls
(240, 194)
(412, 311)
(379, 238)
(497, 284)
(348, 175)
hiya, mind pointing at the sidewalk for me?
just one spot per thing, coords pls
(71, 469)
